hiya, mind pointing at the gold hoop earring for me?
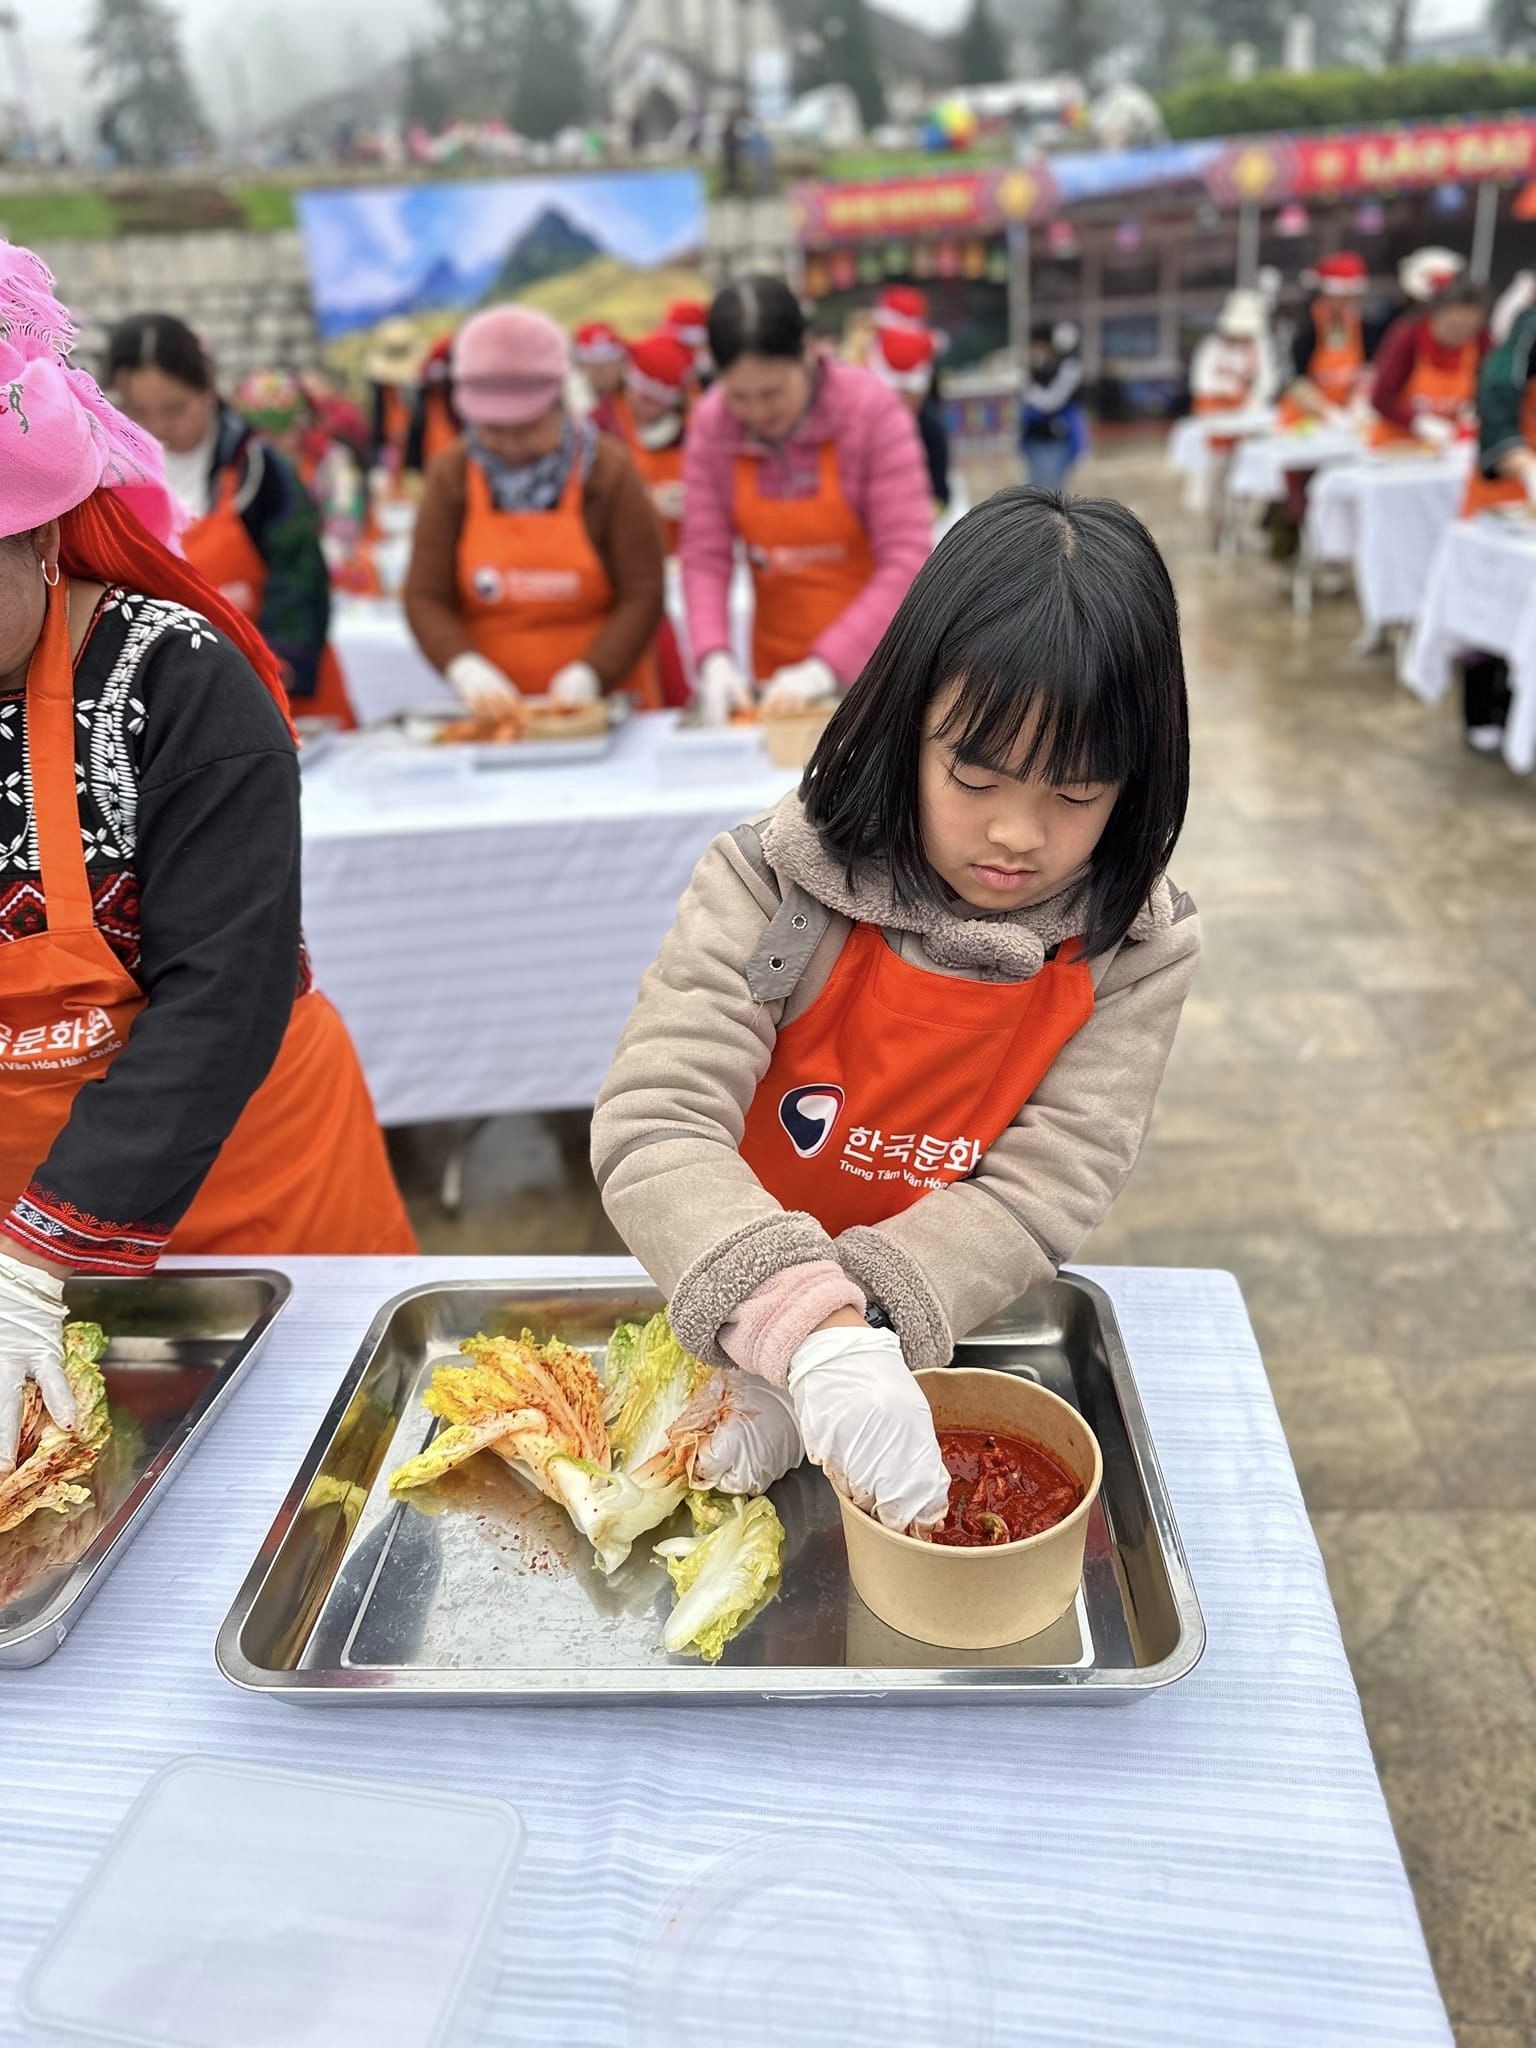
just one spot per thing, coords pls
(53, 580)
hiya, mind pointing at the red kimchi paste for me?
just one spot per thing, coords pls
(1001, 1488)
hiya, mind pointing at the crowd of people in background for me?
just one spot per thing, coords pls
(524, 459)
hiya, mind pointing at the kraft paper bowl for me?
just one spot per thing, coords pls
(982, 1598)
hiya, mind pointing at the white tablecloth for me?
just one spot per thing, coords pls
(1481, 595)
(1261, 465)
(1213, 1868)
(1385, 515)
(1189, 440)
(483, 932)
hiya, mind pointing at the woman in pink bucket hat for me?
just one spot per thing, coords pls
(149, 890)
(537, 567)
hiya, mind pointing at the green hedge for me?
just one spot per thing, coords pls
(1346, 99)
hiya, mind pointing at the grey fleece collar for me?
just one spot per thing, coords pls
(1011, 945)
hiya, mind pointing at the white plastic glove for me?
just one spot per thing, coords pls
(1434, 430)
(480, 684)
(577, 683)
(722, 688)
(31, 1348)
(799, 687)
(757, 1442)
(866, 1424)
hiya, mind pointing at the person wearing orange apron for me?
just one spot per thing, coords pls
(536, 568)
(898, 1052)
(435, 423)
(168, 1077)
(657, 378)
(600, 354)
(1228, 371)
(255, 531)
(815, 467)
(1425, 383)
(1328, 353)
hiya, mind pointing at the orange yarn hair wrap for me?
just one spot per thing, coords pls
(103, 541)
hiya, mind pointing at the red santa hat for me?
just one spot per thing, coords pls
(659, 367)
(687, 321)
(1343, 276)
(903, 357)
(1428, 272)
(597, 342)
(902, 306)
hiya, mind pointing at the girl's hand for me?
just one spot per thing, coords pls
(756, 1442)
(865, 1422)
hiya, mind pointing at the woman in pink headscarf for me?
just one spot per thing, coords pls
(167, 1074)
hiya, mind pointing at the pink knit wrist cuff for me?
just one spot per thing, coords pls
(771, 1324)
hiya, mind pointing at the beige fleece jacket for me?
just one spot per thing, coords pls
(767, 912)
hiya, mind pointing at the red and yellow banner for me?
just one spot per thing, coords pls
(949, 203)
(1269, 169)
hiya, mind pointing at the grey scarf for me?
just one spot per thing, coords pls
(536, 486)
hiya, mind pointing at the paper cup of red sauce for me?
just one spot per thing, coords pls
(997, 1591)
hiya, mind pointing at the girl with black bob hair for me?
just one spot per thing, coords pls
(1057, 621)
(899, 1052)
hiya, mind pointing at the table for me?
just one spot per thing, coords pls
(1189, 447)
(1385, 515)
(1481, 594)
(1262, 465)
(1214, 1866)
(483, 932)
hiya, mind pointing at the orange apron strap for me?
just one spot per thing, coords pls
(51, 757)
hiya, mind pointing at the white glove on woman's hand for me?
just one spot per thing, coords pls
(866, 1424)
(756, 1442)
(723, 688)
(1433, 429)
(480, 684)
(798, 687)
(31, 1348)
(577, 683)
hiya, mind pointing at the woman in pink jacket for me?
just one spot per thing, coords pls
(816, 467)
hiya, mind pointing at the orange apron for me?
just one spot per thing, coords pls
(304, 1169)
(896, 1080)
(220, 548)
(532, 589)
(1485, 491)
(1446, 389)
(438, 428)
(1338, 358)
(1220, 444)
(659, 466)
(810, 558)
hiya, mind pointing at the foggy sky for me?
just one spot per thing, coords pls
(255, 57)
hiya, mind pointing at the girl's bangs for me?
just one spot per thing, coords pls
(1064, 727)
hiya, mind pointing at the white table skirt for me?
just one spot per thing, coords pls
(1212, 1867)
(1385, 516)
(1189, 440)
(1481, 595)
(1262, 465)
(483, 932)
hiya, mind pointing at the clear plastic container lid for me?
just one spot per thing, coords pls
(243, 1907)
(813, 1935)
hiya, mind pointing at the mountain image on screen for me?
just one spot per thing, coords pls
(548, 247)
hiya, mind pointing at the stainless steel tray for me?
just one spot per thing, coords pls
(177, 1343)
(358, 1599)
